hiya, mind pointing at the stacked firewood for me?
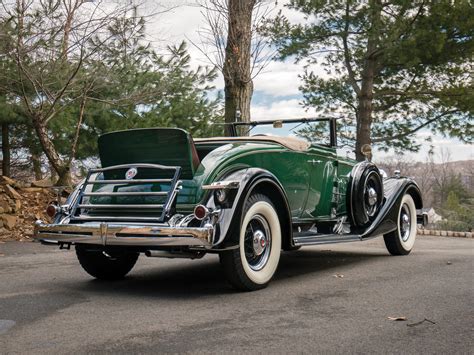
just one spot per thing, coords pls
(21, 204)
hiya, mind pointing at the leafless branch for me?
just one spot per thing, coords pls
(213, 38)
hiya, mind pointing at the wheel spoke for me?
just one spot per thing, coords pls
(257, 242)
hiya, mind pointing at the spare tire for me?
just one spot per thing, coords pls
(366, 193)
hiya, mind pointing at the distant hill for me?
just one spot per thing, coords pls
(432, 176)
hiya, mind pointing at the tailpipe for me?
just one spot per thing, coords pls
(174, 254)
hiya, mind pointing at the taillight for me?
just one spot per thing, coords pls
(52, 210)
(200, 212)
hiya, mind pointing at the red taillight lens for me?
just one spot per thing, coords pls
(52, 210)
(200, 212)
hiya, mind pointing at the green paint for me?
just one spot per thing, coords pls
(315, 181)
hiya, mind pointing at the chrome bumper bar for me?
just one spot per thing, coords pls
(131, 235)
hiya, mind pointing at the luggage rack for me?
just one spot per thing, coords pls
(174, 186)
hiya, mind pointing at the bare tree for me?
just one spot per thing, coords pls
(54, 44)
(434, 177)
(441, 174)
(233, 44)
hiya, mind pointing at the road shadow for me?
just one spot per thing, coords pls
(189, 279)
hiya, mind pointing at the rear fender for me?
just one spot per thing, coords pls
(251, 180)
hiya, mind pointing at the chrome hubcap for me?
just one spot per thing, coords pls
(372, 196)
(257, 242)
(405, 223)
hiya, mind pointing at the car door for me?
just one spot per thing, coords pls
(323, 167)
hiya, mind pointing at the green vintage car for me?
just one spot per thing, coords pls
(270, 186)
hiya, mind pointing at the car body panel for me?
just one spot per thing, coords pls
(308, 187)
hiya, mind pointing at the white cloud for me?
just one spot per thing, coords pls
(280, 110)
(281, 78)
(457, 149)
(278, 80)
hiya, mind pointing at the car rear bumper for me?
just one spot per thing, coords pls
(124, 235)
(422, 218)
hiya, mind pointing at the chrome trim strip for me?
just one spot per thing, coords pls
(219, 185)
(140, 165)
(131, 193)
(125, 207)
(132, 181)
(115, 234)
(114, 218)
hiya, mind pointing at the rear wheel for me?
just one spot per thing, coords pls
(111, 265)
(401, 241)
(252, 265)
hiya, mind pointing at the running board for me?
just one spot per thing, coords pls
(309, 238)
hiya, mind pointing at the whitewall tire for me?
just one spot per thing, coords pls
(402, 240)
(253, 264)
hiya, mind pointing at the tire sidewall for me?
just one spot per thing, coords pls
(266, 210)
(409, 243)
(357, 201)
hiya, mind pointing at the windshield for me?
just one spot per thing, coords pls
(315, 132)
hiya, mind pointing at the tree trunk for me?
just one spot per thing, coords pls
(237, 99)
(35, 151)
(36, 159)
(64, 177)
(237, 66)
(366, 94)
(53, 176)
(62, 168)
(365, 108)
(6, 149)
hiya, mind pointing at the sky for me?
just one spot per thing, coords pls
(276, 93)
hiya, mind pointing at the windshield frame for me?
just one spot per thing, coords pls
(332, 126)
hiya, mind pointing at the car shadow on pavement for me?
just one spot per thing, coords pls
(188, 279)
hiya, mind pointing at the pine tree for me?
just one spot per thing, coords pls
(391, 67)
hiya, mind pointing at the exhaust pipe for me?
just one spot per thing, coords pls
(173, 254)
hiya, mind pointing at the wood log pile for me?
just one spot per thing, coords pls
(21, 204)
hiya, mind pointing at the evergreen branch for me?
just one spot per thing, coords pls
(414, 130)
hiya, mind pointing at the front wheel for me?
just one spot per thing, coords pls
(110, 265)
(251, 266)
(401, 240)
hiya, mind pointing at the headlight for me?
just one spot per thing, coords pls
(224, 192)
(383, 173)
(220, 195)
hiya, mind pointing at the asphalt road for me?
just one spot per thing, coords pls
(328, 299)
